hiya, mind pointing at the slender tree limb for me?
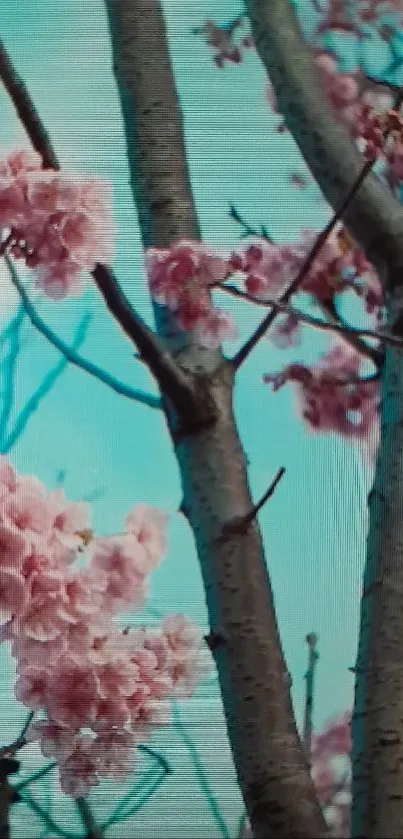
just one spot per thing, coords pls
(8, 795)
(348, 332)
(247, 229)
(250, 344)
(93, 830)
(311, 640)
(9, 373)
(13, 748)
(241, 524)
(23, 104)
(371, 213)
(174, 383)
(43, 389)
(72, 356)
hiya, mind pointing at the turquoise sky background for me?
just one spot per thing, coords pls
(314, 527)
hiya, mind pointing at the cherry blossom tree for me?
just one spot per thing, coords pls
(60, 226)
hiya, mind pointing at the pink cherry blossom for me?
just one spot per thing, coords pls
(60, 224)
(331, 396)
(12, 593)
(124, 560)
(73, 663)
(149, 526)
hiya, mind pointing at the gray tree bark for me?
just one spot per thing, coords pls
(375, 220)
(271, 766)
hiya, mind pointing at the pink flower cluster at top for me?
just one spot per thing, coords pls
(331, 772)
(101, 689)
(183, 277)
(59, 224)
(331, 396)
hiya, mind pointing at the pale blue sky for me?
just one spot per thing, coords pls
(314, 527)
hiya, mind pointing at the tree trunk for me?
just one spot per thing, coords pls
(378, 711)
(375, 219)
(271, 766)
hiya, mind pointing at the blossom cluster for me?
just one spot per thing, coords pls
(100, 689)
(59, 224)
(183, 277)
(331, 394)
(331, 772)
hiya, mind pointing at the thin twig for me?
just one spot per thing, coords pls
(346, 331)
(311, 640)
(247, 229)
(43, 389)
(93, 830)
(250, 344)
(9, 373)
(72, 356)
(240, 524)
(13, 748)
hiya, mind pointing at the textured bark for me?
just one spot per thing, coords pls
(375, 219)
(378, 711)
(373, 216)
(269, 759)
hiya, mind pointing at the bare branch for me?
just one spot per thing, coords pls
(19, 95)
(93, 830)
(337, 326)
(240, 525)
(174, 383)
(9, 373)
(43, 389)
(13, 748)
(311, 640)
(72, 356)
(250, 344)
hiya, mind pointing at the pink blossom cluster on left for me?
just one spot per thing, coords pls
(59, 224)
(101, 690)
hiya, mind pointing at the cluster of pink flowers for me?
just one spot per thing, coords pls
(181, 278)
(331, 395)
(339, 265)
(331, 772)
(59, 224)
(101, 689)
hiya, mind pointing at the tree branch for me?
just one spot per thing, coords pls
(250, 344)
(174, 383)
(93, 830)
(13, 748)
(372, 215)
(43, 389)
(348, 332)
(311, 640)
(72, 356)
(241, 524)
